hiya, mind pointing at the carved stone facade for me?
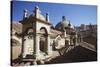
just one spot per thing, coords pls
(39, 39)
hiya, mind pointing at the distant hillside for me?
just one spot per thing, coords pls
(17, 27)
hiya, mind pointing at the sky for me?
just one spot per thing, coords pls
(77, 14)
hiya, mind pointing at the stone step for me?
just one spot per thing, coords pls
(70, 48)
(66, 49)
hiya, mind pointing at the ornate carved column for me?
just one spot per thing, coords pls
(76, 39)
(49, 50)
(23, 48)
(36, 46)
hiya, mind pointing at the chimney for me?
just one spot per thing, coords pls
(47, 17)
(25, 14)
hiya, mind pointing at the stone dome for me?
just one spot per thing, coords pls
(62, 24)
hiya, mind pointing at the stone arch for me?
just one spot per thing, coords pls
(43, 30)
(28, 42)
(66, 42)
(74, 41)
(43, 39)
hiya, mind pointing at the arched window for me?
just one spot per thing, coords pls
(43, 31)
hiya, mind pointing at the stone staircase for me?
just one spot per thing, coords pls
(66, 49)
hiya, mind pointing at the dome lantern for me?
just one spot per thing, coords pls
(63, 18)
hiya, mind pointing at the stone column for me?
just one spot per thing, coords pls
(36, 46)
(76, 40)
(49, 50)
(81, 38)
(23, 48)
(69, 40)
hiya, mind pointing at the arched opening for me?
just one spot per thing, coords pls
(74, 41)
(28, 43)
(43, 39)
(66, 43)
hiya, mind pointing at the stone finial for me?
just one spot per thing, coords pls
(36, 7)
(47, 17)
(25, 13)
(63, 18)
(37, 11)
